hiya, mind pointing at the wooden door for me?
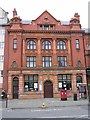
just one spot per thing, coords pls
(48, 89)
(15, 88)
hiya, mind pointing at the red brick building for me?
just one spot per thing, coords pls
(44, 56)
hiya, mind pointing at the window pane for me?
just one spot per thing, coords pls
(46, 45)
(1, 58)
(31, 61)
(77, 43)
(31, 45)
(61, 45)
(46, 62)
(31, 83)
(64, 81)
(1, 44)
(14, 43)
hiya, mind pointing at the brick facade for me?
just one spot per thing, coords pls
(45, 27)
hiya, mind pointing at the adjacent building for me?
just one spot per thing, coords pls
(44, 56)
(3, 22)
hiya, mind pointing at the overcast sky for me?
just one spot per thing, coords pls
(61, 9)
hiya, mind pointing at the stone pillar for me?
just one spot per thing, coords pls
(39, 61)
(54, 59)
(84, 78)
(55, 86)
(24, 57)
(40, 84)
(74, 87)
(21, 85)
(69, 54)
(10, 85)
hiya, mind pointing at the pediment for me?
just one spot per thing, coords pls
(16, 19)
(46, 18)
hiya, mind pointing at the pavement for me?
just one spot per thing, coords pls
(37, 103)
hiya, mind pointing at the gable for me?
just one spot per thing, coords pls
(46, 18)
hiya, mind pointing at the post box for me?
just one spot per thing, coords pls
(63, 94)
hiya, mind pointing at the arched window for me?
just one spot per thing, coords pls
(61, 45)
(46, 45)
(31, 44)
(79, 63)
(14, 64)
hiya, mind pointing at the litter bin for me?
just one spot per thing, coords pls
(75, 97)
(63, 94)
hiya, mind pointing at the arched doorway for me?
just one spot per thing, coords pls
(48, 89)
(15, 87)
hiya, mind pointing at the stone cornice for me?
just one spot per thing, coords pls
(54, 31)
(47, 31)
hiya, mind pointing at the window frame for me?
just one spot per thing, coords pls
(47, 61)
(61, 45)
(31, 82)
(1, 44)
(46, 45)
(31, 61)
(14, 43)
(1, 58)
(62, 61)
(31, 45)
(77, 44)
(65, 80)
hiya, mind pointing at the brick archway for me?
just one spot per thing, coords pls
(48, 89)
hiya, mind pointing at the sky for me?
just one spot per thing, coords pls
(62, 10)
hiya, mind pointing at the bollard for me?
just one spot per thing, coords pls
(6, 102)
(43, 106)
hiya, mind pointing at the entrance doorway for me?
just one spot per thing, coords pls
(15, 88)
(48, 89)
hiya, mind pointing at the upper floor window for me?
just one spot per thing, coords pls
(61, 45)
(31, 61)
(15, 43)
(1, 58)
(46, 27)
(46, 45)
(2, 21)
(77, 44)
(1, 45)
(14, 64)
(79, 63)
(51, 27)
(62, 61)
(31, 44)
(1, 73)
(47, 61)
(41, 27)
(2, 31)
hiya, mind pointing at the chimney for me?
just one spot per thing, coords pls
(77, 16)
(14, 12)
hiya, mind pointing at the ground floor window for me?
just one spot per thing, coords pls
(64, 81)
(30, 82)
(78, 81)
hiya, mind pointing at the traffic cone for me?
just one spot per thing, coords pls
(43, 105)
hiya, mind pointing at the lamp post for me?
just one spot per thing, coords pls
(40, 88)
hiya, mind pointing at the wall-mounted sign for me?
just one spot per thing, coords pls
(35, 85)
(60, 85)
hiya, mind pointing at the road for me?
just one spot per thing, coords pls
(54, 112)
